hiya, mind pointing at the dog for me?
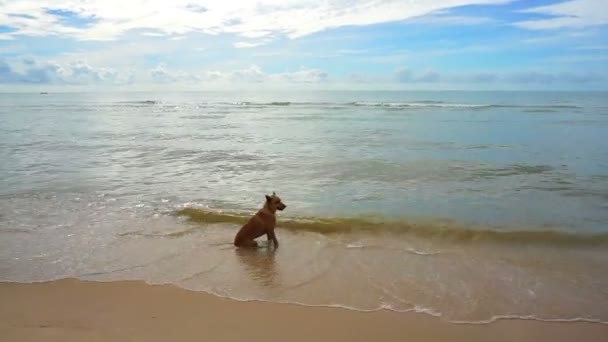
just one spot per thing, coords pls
(261, 223)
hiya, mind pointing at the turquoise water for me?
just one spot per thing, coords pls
(89, 184)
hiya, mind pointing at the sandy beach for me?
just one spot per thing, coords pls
(74, 310)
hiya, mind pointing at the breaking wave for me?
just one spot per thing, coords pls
(443, 230)
(422, 104)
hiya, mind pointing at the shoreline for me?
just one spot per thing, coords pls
(77, 310)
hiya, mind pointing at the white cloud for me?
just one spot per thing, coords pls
(161, 75)
(254, 74)
(261, 19)
(30, 71)
(33, 71)
(153, 34)
(405, 75)
(548, 78)
(452, 20)
(482, 77)
(26, 70)
(251, 74)
(568, 14)
(242, 45)
(304, 75)
(429, 75)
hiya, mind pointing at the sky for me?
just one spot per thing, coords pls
(325, 44)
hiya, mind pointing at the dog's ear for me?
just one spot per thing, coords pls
(267, 198)
(273, 193)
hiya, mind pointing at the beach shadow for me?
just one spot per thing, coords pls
(260, 264)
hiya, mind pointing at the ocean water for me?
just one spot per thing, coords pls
(471, 206)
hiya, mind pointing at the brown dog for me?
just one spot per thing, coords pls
(261, 223)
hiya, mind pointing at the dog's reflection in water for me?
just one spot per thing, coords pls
(259, 264)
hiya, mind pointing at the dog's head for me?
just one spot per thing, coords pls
(273, 202)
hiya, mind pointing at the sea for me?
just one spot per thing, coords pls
(468, 206)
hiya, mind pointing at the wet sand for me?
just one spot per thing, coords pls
(74, 310)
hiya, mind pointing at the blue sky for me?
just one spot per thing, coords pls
(334, 44)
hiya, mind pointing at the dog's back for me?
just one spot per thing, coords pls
(258, 225)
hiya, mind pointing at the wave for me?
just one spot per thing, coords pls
(420, 104)
(407, 250)
(414, 104)
(143, 102)
(441, 230)
(497, 318)
(441, 104)
(395, 105)
(417, 309)
(274, 103)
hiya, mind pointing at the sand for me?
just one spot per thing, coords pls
(74, 310)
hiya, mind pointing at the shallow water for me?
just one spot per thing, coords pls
(465, 205)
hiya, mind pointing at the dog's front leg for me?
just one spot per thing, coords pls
(271, 236)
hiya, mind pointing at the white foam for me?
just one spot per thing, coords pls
(384, 306)
(423, 104)
(532, 318)
(425, 310)
(413, 251)
(419, 309)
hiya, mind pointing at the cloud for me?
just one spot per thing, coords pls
(32, 71)
(568, 14)
(580, 78)
(7, 75)
(405, 75)
(250, 44)
(161, 75)
(27, 70)
(482, 77)
(304, 75)
(451, 20)
(110, 19)
(531, 77)
(251, 74)
(473, 77)
(549, 78)
(80, 72)
(428, 76)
